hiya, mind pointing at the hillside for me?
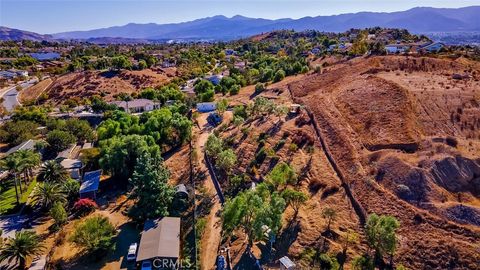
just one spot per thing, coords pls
(221, 27)
(107, 84)
(16, 34)
(397, 136)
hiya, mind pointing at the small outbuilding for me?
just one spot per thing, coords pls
(286, 263)
(160, 242)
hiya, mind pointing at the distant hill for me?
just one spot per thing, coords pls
(416, 20)
(15, 34)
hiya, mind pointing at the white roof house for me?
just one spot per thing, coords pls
(137, 105)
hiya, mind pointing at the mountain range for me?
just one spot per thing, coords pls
(416, 20)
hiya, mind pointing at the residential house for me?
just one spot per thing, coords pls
(90, 184)
(12, 74)
(432, 48)
(68, 160)
(160, 241)
(397, 48)
(206, 106)
(137, 105)
(215, 79)
(27, 145)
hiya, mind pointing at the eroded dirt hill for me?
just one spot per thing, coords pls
(404, 135)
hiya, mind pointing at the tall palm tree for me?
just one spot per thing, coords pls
(10, 163)
(52, 171)
(44, 195)
(28, 160)
(25, 245)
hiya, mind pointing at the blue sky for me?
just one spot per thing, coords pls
(52, 16)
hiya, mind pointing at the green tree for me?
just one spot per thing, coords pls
(282, 174)
(222, 106)
(10, 164)
(118, 155)
(294, 198)
(59, 140)
(16, 132)
(121, 62)
(150, 188)
(71, 188)
(46, 194)
(252, 210)
(213, 146)
(58, 214)
(226, 160)
(142, 65)
(94, 235)
(279, 75)
(51, 171)
(24, 246)
(381, 235)
(80, 129)
(330, 214)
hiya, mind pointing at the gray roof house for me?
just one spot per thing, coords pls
(160, 240)
(27, 145)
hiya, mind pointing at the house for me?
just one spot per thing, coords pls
(137, 105)
(215, 79)
(206, 106)
(73, 166)
(12, 74)
(90, 184)
(286, 263)
(397, 48)
(27, 145)
(45, 56)
(433, 47)
(160, 242)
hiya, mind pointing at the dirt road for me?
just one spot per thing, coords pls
(212, 235)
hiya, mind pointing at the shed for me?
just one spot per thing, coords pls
(160, 240)
(286, 263)
(90, 183)
(181, 191)
(206, 106)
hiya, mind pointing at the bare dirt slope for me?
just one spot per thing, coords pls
(403, 133)
(107, 84)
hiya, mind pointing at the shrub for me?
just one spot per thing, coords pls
(302, 138)
(95, 234)
(58, 213)
(84, 206)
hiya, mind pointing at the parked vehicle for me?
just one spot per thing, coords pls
(146, 265)
(132, 252)
(221, 265)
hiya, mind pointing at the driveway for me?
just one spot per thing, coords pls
(13, 223)
(10, 95)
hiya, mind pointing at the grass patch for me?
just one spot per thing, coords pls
(8, 200)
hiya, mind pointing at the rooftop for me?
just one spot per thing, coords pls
(91, 181)
(160, 239)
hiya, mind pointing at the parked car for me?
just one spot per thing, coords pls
(132, 252)
(221, 263)
(146, 265)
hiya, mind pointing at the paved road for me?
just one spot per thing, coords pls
(10, 95)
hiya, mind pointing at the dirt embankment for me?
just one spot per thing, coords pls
(378, 123)
(106, 84)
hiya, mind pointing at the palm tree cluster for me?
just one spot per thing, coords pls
(21, 164)
(21, 248)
